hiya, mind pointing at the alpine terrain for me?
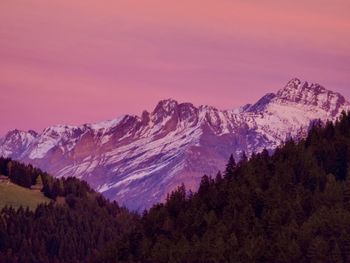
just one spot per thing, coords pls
(138, 160)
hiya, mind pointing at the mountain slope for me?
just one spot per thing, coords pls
(138, 160)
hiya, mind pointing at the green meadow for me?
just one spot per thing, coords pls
(16, 196)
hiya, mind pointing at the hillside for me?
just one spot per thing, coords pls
(292, 206)
(73, 230)
(15, 196)
(138, 160)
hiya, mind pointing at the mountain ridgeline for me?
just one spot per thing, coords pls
(138, 160)
(291, 206)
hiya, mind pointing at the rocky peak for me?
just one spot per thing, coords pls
(20, 135)
(165, 106)
(301, 91)
(16, 142)
(310, 94)
(296, 91)
(58, 131)
(187, 111)
(164, 109)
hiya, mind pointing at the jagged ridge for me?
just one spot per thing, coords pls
(138, 160)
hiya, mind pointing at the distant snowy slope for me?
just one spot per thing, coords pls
(137, 160)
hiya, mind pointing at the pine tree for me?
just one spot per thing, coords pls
(218, 177)
(230, 167)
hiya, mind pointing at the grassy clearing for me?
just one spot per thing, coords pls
(16, 196)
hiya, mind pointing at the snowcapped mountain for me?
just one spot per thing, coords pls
(137, 160)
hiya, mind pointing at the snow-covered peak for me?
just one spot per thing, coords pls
(301, 91)
(166, 106)
(106, 125)
(299, 94)
(27, 136)
(187, 112)
(62, 131)
(165, 109)
(294, 82)
(310, 94)
(16, 141)
(295, 91)
(56, 130)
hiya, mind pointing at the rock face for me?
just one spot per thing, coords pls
(138, 160)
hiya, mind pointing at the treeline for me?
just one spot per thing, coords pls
(19, 173)
(291, 206)
(27, 176)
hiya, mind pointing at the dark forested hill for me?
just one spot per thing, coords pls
(74, 227)
(292, 206)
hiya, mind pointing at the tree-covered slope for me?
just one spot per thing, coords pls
(293, 206)
(73, 227)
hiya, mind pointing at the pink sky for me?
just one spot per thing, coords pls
(70, 61)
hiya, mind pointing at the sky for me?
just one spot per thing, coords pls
(75, 62)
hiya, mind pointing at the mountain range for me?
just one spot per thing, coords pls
(138, 160)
